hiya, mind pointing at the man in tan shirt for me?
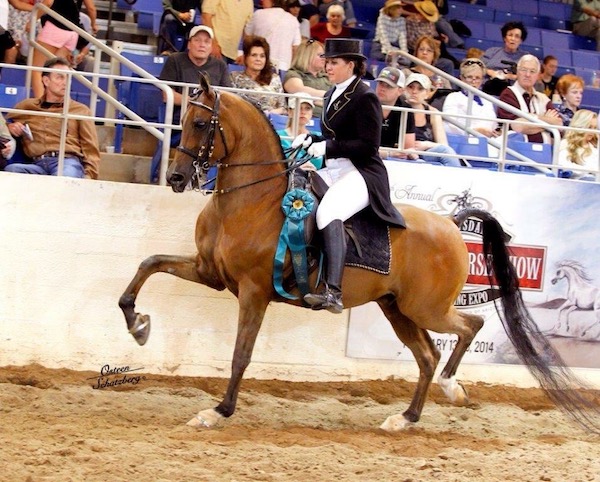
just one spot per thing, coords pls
(227, 18)
(41, 135)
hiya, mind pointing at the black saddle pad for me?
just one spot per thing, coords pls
(370, 244)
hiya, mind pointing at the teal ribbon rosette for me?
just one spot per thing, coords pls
(297, 205)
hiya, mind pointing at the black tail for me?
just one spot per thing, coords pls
(533, 348)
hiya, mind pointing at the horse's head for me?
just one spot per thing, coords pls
(560, 274)
(202, 139)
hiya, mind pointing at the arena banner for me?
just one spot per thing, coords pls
(553, 229)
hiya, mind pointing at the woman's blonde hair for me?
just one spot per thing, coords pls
(336, 9)
(579, 140)
(432, 43)
(305, 54)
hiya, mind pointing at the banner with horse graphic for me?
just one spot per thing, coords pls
(552, 247)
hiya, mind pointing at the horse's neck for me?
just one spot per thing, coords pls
(250, 184)
(576, 282)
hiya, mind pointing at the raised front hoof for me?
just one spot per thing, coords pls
(205, 419)
(141, 328)
(396, 423)
(455, 391)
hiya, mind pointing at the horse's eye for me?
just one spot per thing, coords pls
(199, 123)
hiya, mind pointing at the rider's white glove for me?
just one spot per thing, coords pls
(303, 140)
(317, 149)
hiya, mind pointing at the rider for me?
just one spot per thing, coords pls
(356, 176)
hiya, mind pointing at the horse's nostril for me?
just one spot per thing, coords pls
(175, 178)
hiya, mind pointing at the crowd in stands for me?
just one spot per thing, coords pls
(282, 53)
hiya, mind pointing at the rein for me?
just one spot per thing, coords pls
(201, 159)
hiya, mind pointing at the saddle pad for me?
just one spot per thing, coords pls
(373, 237)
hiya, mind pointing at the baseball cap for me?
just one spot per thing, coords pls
(303, 98)
(201, 28)
(420, 79)
(391, 76)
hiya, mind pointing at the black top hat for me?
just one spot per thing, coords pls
(343, 47)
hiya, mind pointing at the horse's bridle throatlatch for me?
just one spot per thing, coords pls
(202, 159)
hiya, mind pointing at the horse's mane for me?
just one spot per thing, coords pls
(242, 98)
(575, 266)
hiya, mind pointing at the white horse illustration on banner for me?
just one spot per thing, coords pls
(581, 294)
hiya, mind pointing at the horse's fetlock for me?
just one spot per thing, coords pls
(126, 301)
(225, 411)
(411, 416)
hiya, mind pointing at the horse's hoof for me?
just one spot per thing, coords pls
(454, 390)
(395, 423)
(141, 329)
(205, 419)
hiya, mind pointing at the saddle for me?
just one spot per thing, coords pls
(369, 239)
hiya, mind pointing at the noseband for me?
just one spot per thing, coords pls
(202, 159)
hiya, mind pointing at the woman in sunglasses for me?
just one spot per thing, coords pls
(472, 72)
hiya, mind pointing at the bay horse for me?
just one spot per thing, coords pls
(237, 234)
(581, 293)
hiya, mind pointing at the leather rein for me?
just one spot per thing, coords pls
(202, 159)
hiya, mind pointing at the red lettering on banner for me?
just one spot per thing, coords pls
(527, 260)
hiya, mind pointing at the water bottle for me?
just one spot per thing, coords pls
(595, 80)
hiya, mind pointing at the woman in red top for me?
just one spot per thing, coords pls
(333, 28)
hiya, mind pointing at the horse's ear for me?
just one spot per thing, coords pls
(205, 83)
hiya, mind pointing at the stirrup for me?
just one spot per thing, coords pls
(330, 300)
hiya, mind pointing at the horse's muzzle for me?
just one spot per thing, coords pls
(177, 181)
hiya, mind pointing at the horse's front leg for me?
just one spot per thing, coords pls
(253, 304)
(182, 267)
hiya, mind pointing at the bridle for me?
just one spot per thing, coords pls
(202, 159)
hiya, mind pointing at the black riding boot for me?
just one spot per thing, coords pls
(335, 250)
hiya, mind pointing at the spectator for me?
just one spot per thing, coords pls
(310, 12)
(421, 23)
(306, 112)
(429, 130)
(294, 8)
(390, 31)
(259, 75)
(349, 17)
(570, 90)
(57, 38)
(500, 61)
(524, 97)
(19, 13)
(7, 144)
(427, 49)
(227, 19)
(41, 135)
(389, 88)
(445, 29)
(474, 53)
(280, 28)
(177, 20)
(547, 80)
(472, 72)
(585, 18)
(185, 67)
(333, 28)
(580, 149)
(307, 73)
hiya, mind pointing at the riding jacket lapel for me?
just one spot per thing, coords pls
(330, 112)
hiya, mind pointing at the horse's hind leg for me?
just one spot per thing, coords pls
(182, 267)
(466, 326)
(427, 356)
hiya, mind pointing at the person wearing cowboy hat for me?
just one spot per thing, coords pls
(356, 176)
(390, 31)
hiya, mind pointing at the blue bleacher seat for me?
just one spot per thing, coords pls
(577, 42)
(477, 28)
(534, 49)
(534, 36)
(149, 6)
(143, 98)
(492, 31)
(585, 74)
(501, 17)
(479, 13)
(537, 152)
(591, 98)
(564, 70)
(499, 5)
(564, 57)
(586, 60)
(553, 23)
(279, 121)
(13, 76)
(471, 146)
(520, 6)
(10, 95)
(482, 43)
(556, 10)
(555, 40)
(457, 11)
(537, 21)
